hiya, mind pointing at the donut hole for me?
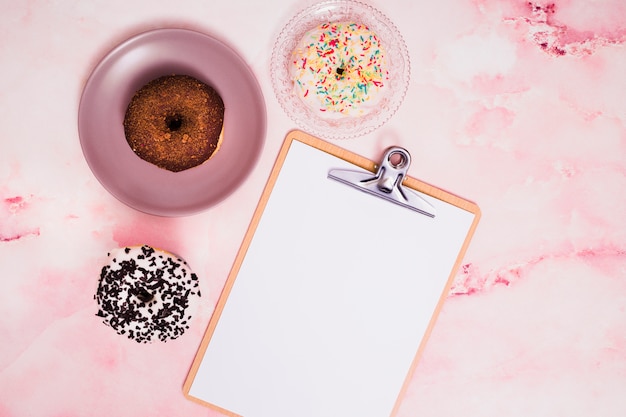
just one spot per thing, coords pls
(174, 122)
(144, 295)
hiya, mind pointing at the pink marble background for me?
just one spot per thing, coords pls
(516, 105)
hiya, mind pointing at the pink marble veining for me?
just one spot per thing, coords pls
(605, 259)
(600, 25)
(516, 105)
(12, 211)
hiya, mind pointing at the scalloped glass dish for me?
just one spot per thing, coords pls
(331, 125)
(128, 67)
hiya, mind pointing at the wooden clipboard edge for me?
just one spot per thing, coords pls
(363, 163)
(472, 208)
(230, 280)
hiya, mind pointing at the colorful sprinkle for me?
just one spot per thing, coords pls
(340, 64)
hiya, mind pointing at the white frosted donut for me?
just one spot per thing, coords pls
(144, 293)
(339, 69)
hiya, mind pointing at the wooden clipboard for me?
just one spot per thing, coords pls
(333, 293)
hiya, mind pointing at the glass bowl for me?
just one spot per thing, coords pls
(330, 124)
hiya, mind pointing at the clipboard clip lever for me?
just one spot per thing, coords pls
(387, 182)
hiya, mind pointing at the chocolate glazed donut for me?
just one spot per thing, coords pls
(175, 122)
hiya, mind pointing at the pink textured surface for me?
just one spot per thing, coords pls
(516, 105)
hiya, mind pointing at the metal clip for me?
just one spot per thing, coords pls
(387, 183)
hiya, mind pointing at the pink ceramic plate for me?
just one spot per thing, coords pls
(126, 69)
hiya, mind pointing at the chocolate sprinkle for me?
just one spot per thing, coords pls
(145, 295)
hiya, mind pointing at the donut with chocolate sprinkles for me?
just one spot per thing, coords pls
(145, 293)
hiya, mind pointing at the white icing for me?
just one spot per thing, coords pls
(145, 293)
(339, 70)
